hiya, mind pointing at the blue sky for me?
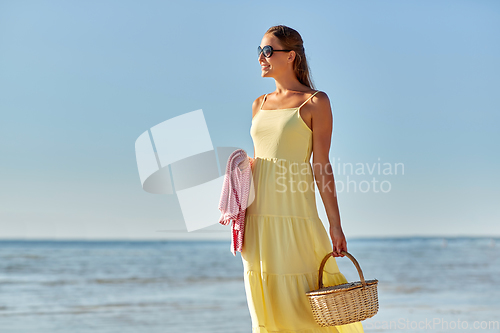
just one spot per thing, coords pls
(412, 82)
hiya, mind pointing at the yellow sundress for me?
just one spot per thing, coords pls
(284, 239)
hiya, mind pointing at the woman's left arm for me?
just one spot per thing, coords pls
(322, 126)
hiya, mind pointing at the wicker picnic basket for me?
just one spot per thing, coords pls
(345, 303)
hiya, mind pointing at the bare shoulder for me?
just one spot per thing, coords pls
(321, 102)
(321, 112)
(256, 105)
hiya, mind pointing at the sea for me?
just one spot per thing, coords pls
(430, 284)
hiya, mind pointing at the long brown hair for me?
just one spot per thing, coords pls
(291, 40)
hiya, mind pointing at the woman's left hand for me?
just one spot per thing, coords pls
(339, 242)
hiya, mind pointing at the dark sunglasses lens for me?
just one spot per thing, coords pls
(259, 49)
(268, 51)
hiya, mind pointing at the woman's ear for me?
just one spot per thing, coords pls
(291, 56)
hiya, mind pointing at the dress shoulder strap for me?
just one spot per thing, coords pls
(309, 98)
(263, 100)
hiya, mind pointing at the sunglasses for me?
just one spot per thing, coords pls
(267, 51)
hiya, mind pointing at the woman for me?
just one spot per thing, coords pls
(284, 239)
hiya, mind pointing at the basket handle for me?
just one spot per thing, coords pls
(354, 261)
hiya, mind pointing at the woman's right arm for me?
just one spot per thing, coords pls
(255, 110)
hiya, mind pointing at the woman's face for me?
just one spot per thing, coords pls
(275, 64)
